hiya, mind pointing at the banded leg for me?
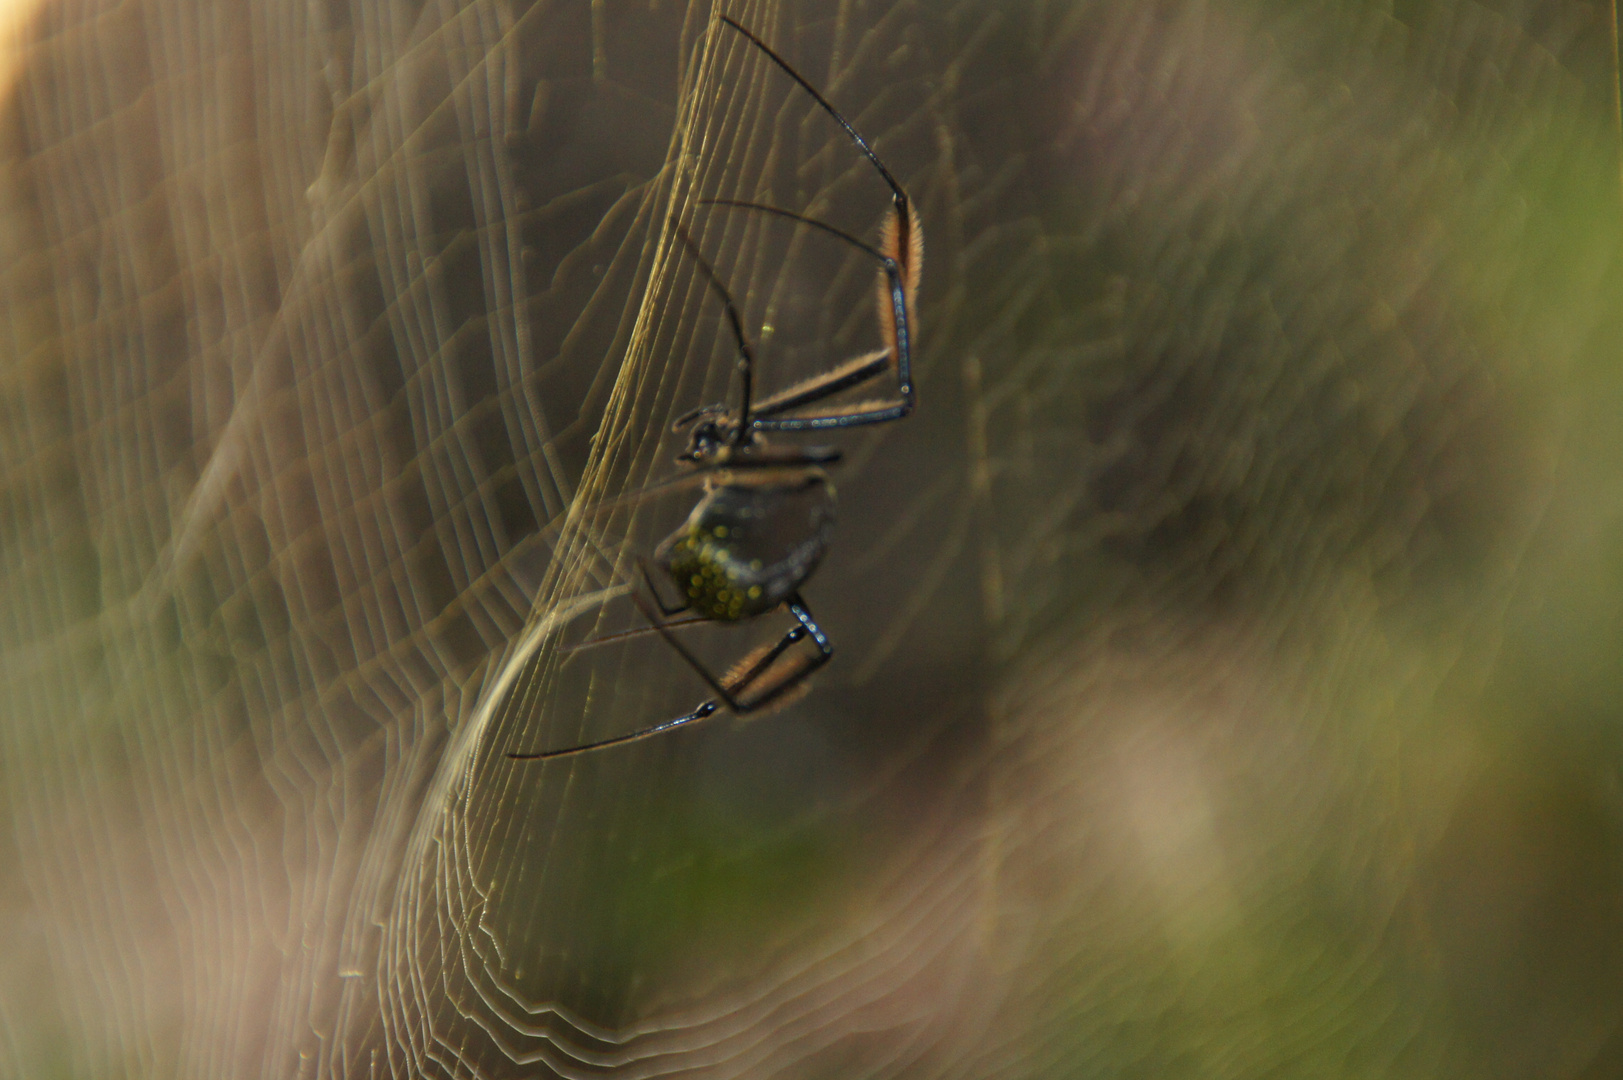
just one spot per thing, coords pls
(732, 690)
(805, 627)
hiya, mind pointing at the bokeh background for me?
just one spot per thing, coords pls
(1228, 677)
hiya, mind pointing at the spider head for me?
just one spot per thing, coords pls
(712, 436)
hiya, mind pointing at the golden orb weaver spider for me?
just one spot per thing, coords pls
(767, 513)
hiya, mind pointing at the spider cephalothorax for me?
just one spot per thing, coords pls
(712, 439)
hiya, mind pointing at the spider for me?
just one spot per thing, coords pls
(767, 512)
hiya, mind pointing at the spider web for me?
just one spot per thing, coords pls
(1266, 372)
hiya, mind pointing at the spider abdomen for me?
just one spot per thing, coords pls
(751, 541)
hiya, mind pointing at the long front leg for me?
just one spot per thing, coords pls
(848, 375)
(899, 348)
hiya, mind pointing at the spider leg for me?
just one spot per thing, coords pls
(807, 664)
(682, 650)
(852, 373)
(732, 690)
(900, 254)
(806, 627)
(765, 208)
(657, 624)
(746, 356)
(648, 580)
(696, 715)
(856, 137)
(900, 347)
(897, 263)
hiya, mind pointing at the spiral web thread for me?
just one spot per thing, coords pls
(306, 486)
